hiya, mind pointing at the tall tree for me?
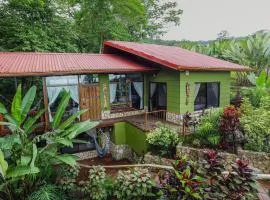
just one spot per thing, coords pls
(131, 20)
(35, 25)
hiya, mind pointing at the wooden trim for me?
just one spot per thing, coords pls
(78, 72)
(46, 103)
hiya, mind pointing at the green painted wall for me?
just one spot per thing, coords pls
(104, 82)
(125, 133)
(119, 133)
(193, 77)
(172, 79)
(136, 139)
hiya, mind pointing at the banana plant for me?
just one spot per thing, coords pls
(21, 149)
(261, 89)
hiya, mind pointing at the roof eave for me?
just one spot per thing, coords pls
(185, 68)
(61, 73)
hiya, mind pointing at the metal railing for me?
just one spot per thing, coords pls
(151, 118)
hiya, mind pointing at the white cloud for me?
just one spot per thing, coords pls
(204, 19)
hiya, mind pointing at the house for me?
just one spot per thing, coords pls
(129, 86)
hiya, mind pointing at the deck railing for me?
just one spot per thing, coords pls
(147, 120)
(150, 118)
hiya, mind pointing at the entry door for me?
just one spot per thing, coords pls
(158, 96)
(90, 99)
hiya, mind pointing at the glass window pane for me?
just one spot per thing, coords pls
(89, 79)
(127, 90)
(212, 95)
(135, 77)
(61, 80)
(200, 96)
(71, 109)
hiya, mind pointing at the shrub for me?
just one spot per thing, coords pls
(261, 89)
(238, 184)
(184, 182)
(163, 141)
(47, 192)
(256, 125)
(99, 185)
(229, 124)
(208, 129)
(133, 184)
(68, 176)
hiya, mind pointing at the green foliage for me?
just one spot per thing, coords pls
(68, 176)
(163, 140)
(238, 184)
(208, 129)
(257, 132)
(99, 185)
(261, 89)
(133, 184)
(47, 192)
(83, 25)
(36, 26)
(183, 182)
(29, 163)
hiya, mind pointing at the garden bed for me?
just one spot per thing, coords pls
(257, 160)
(107, 160)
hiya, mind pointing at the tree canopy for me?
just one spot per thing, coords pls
(81, 25)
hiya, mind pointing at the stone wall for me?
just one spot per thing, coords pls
(258, 160)
(152, 159)
(122, 151)
(108, 115)
(86, 155)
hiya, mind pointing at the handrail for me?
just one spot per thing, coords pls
(150, 116)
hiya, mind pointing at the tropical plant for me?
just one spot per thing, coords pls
(47, 192)
(99, 185)
(257, 132)
(184, 182)
(163, 140)
(207, 131)
(261, 89)
(228, 126)
(238, 184)
(68, 179)
(28, 163)
(133, 184)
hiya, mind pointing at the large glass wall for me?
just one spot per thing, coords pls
(126, 91)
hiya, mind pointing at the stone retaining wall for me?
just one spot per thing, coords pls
(86, 155)
(257, 160)
(152, 159)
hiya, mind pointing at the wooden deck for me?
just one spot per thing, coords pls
(151, 123)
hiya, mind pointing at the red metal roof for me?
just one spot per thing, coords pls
(175, 57)
(44, 64)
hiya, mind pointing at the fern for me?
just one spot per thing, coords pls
(47, 192)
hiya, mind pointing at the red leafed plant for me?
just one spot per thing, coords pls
(229, 124)
(236, 185)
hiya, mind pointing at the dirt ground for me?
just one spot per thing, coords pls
(107, 160)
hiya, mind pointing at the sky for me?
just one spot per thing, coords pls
(204, 19)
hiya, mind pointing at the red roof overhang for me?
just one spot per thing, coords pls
(14, 64)
(175, 57)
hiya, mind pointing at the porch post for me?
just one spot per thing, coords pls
(46, 103)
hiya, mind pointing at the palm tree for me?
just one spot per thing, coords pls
(253, 52)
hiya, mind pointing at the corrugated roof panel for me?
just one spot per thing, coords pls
(175, 57)
(27, 64)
